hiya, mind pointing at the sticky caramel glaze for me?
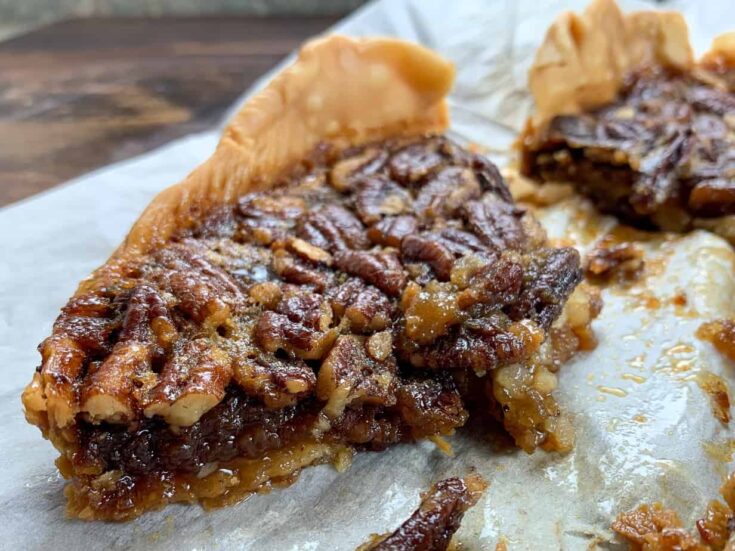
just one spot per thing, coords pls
(354, 305)
(721, 333)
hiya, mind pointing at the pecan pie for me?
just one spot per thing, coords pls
(338, 276)
(432, 525)
(627, 116)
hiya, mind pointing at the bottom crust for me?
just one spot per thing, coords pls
(116, 496)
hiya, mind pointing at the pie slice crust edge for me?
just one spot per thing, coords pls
(584, 58)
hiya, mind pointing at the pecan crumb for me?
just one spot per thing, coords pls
(437, 518)
(721, 333)
(611, 261)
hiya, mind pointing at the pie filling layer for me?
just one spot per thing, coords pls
(375, 295)
(661, 156)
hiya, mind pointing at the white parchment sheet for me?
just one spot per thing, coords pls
(642, 421)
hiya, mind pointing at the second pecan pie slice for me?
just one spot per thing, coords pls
(626, 114)
(337, 277)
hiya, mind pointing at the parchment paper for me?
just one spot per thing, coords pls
(641, 419)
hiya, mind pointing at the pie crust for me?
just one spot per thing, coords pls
(584, 58)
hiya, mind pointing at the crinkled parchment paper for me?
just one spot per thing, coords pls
(642, 421)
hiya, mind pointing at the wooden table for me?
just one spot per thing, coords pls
(81, 94)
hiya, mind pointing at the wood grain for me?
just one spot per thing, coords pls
(81, 94)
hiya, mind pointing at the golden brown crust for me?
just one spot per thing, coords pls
(722, 51)
(340, 90)
(232, 482)
(584, 57)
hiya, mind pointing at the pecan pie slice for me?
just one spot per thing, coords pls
(627, 116)
(338, 276)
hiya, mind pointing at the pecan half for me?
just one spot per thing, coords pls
(350, 376)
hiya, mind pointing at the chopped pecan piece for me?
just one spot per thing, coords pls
(89, 320)
(110, 391)
(478, 345)
(345, 172)
(279, 383)
(309, 252)
(488, 279)
(263, 205)
(332, 228)
(437, 518)
(490, 178)
(364, 306)
(147, 318)
(383, 270)
(431, 406)
(349, 376)
(447, 192)
(204, 291)
(267, 294)
(380, 345)
(308, 309)
(497, 224)
(621, 261)
(274, 332)
(191, 383)
(415, 162)
(431, 312)
(390, 230)
(548, 281)
(297, 271)
(439, 249)
(378, 196)
(267, 217)
(427, 248)
(63, 364)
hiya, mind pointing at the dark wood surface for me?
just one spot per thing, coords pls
(77, 95)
